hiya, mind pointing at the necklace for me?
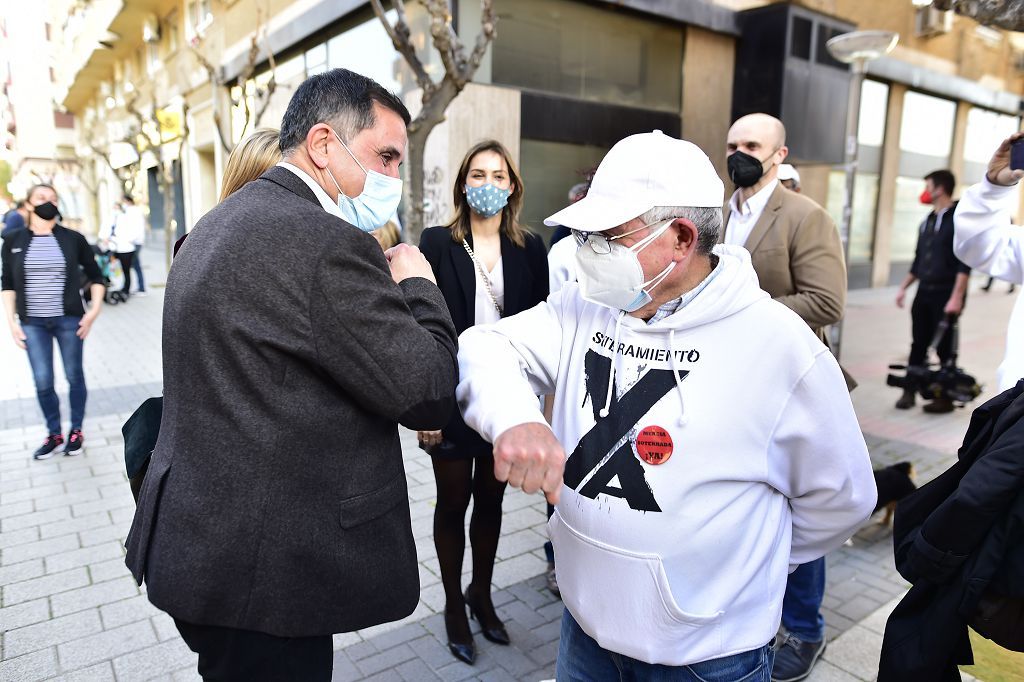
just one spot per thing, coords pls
(484, 277)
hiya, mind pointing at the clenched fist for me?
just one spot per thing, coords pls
(406, 261)
(529, 456)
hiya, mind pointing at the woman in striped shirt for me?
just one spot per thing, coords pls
(41, 279)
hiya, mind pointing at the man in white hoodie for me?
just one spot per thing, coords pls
(983, 238)
(713, 443)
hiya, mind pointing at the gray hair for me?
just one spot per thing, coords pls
(342, 98)
(708, 222)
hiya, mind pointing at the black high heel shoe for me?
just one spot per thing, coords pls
(463, 651)
(498, 634)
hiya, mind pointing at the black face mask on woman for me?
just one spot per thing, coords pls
(744, 169)
(47, 211)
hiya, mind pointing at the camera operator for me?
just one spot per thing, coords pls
(942, 284)
(985, 239)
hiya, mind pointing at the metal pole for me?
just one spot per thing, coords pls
(859, 68)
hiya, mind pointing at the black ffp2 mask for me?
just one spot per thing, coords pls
(47, 211)
(744, 169)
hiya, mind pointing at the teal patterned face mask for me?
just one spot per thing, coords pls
(487, 200)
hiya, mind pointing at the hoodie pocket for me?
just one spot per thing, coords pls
(623, 600)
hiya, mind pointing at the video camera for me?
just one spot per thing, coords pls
(947, 382)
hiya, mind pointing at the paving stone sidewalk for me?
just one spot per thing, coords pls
(69, 609)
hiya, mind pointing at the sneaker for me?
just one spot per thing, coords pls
(939, 406)
(795, 658)
(75, 442)
(906, 401)
(140, 294)
(48, 447)
(552, 580)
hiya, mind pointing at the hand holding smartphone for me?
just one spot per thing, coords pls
(1017, 155)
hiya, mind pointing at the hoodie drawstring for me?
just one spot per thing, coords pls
(675, 373)
(611, 367)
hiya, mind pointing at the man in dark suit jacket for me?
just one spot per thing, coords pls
(798, 257)
(275, 511)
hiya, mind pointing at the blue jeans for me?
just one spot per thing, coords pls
(581, 659)
(137, 269)
(40, 333)
(801, 607)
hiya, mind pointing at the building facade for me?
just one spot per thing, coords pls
(562, 81)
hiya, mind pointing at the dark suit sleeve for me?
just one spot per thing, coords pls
(88, 261)
(818, 271)
(6, 276)
(392, 347)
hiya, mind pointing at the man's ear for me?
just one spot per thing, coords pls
(686, 235)
(316, 145)
(783, 153)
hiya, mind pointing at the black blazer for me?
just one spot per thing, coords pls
(954, 538)
(276, 496)
(78, 258)
(526, 284)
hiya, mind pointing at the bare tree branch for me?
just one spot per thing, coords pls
(401, 39)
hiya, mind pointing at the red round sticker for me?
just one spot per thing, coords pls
(654, 445)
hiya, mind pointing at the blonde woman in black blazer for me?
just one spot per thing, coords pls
(483, 245)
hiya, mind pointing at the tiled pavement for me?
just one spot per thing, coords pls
(70, 610)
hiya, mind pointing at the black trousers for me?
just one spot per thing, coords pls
(230, 655)
(126, 266)
(925, 315)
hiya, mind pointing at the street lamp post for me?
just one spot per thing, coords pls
(856, 49)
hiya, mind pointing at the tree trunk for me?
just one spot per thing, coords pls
(432, 113)
(414, 212)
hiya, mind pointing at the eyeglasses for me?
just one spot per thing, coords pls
(601, 244)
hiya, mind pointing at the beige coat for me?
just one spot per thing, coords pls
(798, 257)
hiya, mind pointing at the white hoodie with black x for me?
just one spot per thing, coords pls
(729, 455)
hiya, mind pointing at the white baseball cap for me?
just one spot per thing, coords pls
(639, 173)
(787, 172)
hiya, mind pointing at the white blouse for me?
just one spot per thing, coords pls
(484, 310)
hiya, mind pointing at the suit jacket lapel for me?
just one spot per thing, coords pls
(465, 271)
(767, 219)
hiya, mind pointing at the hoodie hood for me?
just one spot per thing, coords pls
(732, 288)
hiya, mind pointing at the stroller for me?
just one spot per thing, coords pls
(113, 276)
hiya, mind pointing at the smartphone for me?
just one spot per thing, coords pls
(1017, 155)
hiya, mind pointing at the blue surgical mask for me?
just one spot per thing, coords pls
(487, 200)
(375, 205)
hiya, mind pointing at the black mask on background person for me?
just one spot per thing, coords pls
(744, 169)
(47, 211)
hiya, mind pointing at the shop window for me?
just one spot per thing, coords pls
(590, 53)
(549, 170)
(800, 45)
(862, 219)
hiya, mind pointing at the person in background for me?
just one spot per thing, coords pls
(487, 266)
(135, 223)
(15, 219)
(942, 282)
(42, 268)
(984, 238)
(991, 280)
(119, 238)
(796, 252)
(389, 235)
(561, 269)
(250, 159)
(789, 177)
